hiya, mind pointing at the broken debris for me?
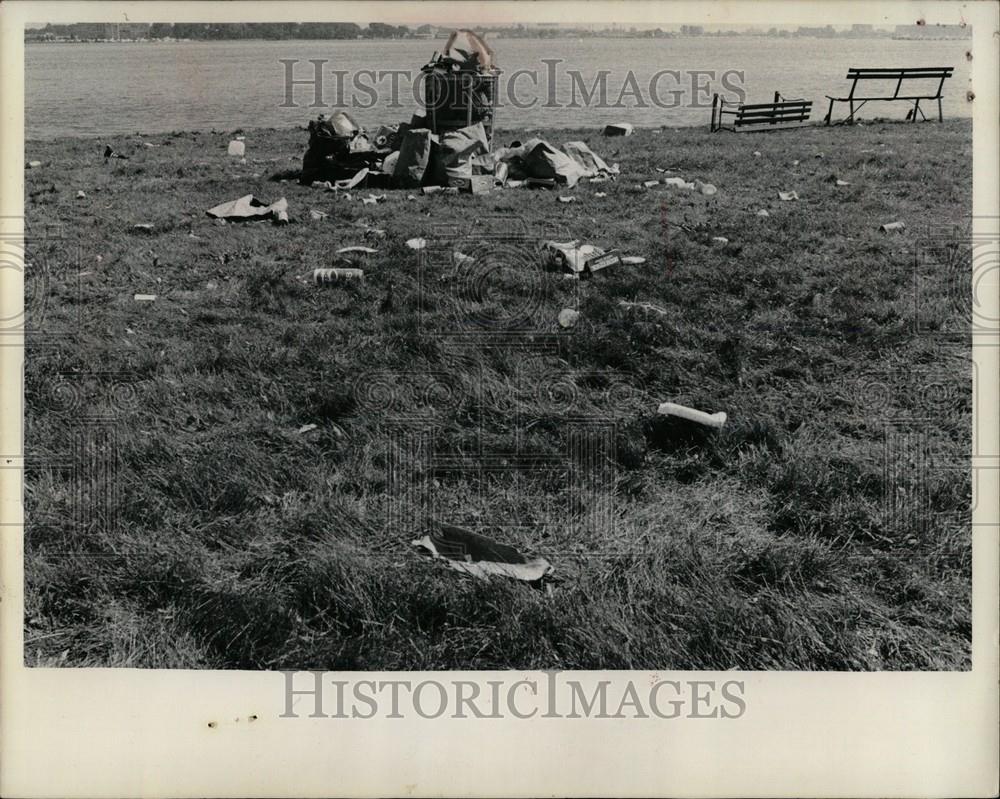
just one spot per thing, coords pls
(692, 415)
(249, 207)
(335, 274)
(619, 129)
(479, 556)
(568, 317)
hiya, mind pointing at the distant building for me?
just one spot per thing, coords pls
(826, 32)
(932, 32)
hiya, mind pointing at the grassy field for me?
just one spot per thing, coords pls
(812, 532)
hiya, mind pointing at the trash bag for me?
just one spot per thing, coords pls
(586, 158)
(338, 148)
(456, 149)
(414, 157)
(542, 160)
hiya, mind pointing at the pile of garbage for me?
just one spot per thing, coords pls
(344, 156)
(450, 145)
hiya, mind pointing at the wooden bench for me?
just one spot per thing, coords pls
(940, 74)
(780, 112)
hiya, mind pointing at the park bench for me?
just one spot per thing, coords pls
(926, 74)
(781, 112)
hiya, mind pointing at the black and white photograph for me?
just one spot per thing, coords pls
(499, 399)
(429, 344)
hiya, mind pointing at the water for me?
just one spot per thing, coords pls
(103, 89)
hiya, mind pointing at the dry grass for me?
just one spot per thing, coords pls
(240, 543)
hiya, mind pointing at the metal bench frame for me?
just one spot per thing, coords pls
(899, 75)
(766, 115)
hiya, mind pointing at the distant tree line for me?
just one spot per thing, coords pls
(235, 30)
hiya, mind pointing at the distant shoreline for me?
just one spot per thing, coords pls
(542, 131)
(728, 35)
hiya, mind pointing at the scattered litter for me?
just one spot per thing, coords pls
(819, 155)
(572, 254)
(892, 226)
(720, 239)
(787, 195)
(563, 199)
(249, 207)
(142, 226)
(705, 188)
(660, 169)
(306, 428)
(240, 138)
(352, 250)
(678, 182)
(600, 194)
(692, 415)
(646, 306)
(34, 164)
(795, 163)
(111, 153)
(350, 183)
(332, 275)
(373, 199)
(633, 260)
(756, 153)
(763, 212)
(144, 297)
(568, 317)
(479, 556)
(460, 258)
(314, 214)
(648, 184)
(619, 129)
(843, 182)
(149, 144)
(237, 148)
(411, 196)
(81, 194)
(416, 244)
(603, 261)
(281, 217)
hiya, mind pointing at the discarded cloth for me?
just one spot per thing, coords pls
(249, 207)
(414, 157)
(479, 556)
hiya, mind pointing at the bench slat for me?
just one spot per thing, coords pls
(785, 104)
(775, 114)
(739, 123)
(896, 74)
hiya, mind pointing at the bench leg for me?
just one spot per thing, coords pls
(829, 113)
(940, 113)
(916, 109)
(851, 117)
